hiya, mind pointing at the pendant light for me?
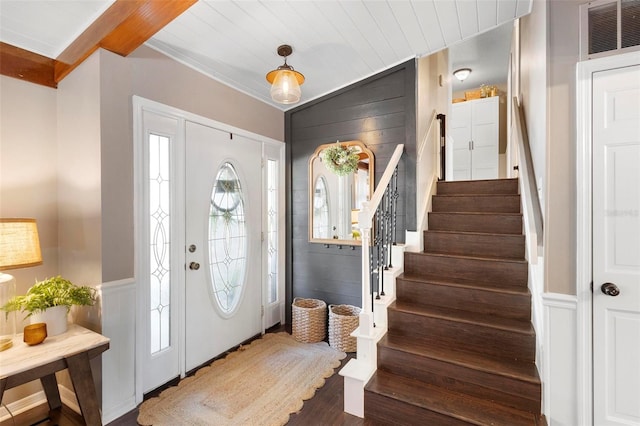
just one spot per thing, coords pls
(285, 81)
(462, 73)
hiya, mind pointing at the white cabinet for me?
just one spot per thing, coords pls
(474, 131)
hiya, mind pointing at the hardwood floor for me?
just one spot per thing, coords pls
(325, 408)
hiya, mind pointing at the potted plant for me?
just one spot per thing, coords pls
(50, 300)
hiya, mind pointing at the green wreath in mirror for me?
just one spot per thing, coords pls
(341, 160)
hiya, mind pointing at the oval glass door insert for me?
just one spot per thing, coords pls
(227, 239)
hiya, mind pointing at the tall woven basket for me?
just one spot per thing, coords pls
(309, 320)
(343, 320)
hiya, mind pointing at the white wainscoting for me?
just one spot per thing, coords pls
(118, 363)
(560, 355)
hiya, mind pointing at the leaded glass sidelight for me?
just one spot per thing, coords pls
(227, 239)
(272, 230)
(159, 243)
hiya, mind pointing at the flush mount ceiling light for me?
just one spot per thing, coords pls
(285, 81)
(462, 73)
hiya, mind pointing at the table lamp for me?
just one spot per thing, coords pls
(19, 248)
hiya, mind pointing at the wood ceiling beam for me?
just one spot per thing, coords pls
(25, 65)
(121, 29)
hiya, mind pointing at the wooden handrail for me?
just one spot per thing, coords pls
(423, 143)
(532, 209)
(369, 207)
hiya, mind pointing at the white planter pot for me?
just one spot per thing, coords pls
(55, 317)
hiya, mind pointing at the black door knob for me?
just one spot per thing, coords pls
(194, 266)
(610, 289)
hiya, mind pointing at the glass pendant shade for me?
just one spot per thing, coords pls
(285, 88)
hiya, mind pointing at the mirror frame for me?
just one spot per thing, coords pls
(311, 189)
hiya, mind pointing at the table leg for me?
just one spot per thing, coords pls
(50, 386)
(80, 372)
(3, 386)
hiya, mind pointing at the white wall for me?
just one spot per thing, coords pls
(28, 179)
(533, 88)
(79, 182)
(433, 92)
(560, 233)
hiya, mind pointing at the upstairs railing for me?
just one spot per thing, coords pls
(531, 209)
(379, 212)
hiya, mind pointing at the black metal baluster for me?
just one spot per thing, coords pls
(379, 227)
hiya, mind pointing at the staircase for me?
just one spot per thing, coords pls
(460, 347)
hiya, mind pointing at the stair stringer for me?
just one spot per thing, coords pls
(359, 370)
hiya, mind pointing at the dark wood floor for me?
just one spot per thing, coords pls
(325, 408)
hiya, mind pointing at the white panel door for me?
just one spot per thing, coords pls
(616, 246)
(474, 131)
(460, 129)
(484, 142)
(223, 286)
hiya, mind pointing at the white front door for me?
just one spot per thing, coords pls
(223, 285)
(616, 246)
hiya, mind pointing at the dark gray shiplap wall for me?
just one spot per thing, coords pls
(379, 111)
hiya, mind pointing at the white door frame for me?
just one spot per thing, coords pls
(584, 236)
(139, 105)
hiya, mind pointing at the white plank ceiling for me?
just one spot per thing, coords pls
(335, 43)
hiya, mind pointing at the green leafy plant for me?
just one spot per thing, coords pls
(339, 159)
(49, 293)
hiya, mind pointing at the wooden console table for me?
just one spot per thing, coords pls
(73, 350)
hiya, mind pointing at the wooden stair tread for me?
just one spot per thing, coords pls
(473, 187)
(462, 256)
(476, 195)
(479, 214)
(436, 231)
(483, 244)
(506, 324)
(463, 407)
(497, 287)
(512, 368)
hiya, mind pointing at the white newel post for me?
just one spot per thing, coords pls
(366, 315)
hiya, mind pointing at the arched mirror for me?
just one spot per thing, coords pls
(341, 178)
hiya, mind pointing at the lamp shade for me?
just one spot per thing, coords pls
(285, 88)
(19, 244)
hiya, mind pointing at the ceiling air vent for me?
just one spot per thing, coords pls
(608, 27)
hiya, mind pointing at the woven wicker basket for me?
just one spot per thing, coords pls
(343, 320)
(309, 318)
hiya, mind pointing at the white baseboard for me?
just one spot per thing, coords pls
(21, 405)
(559, 352)
(30, 402)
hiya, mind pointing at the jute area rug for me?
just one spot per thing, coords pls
(259, 384)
